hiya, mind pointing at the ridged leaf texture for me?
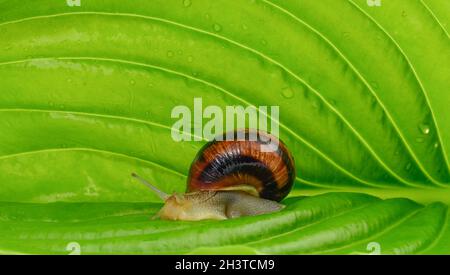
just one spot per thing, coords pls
(86, 95)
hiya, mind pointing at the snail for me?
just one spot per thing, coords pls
(230, 179)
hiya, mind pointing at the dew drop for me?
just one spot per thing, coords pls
(404, 14)
(217, 27)
(408, 167)
(187, 3)
(345, 35)
(207, 16)
(132, 82)
(264, 42)
(436, 145)
(420, 140)
(424, 129)
(244, 27)
(374, 85)
(287, 93)
(169, 53)
(316, 104)
(379, 37)
(190, 58)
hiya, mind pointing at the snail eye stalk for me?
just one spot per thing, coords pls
(155, 189)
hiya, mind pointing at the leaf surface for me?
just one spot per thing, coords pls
(86, 95)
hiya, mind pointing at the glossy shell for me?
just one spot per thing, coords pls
(241, 163)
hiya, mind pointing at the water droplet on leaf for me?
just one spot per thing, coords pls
(287, 93)
(217, 27)
(187, 3)
(374, 85)
(316, 104)
(424, 128)
(408, 167)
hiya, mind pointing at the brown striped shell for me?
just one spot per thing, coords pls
(240, 164)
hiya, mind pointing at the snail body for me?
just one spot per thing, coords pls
(215, 205)
(230, 179)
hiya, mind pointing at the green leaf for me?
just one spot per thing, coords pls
(331, 223)
(86, 95)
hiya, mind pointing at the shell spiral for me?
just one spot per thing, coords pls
(231, 164)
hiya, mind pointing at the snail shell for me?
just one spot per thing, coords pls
(242, 165)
